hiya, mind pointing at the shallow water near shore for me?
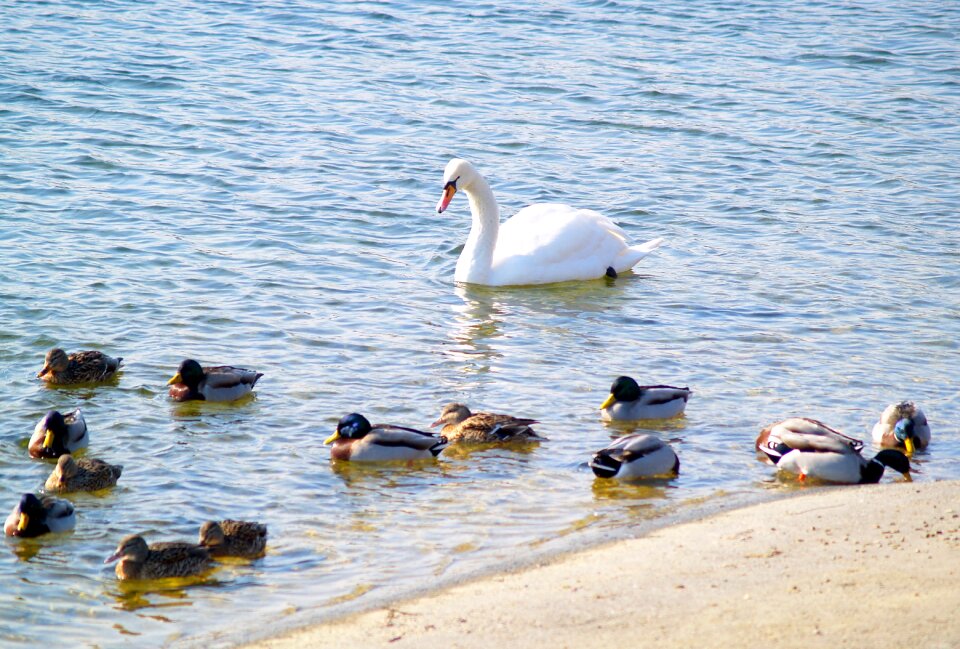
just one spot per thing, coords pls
(254, 183)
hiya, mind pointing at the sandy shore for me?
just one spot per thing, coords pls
(873, 566)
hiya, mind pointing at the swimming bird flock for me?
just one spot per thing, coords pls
(540, 244)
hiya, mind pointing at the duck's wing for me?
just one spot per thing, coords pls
(804, 434)
(76, 429)
(389, 435)
(634, 446)
(654, 395)
(499, 426)
(243, 529)
(60, 514)
(227, 376)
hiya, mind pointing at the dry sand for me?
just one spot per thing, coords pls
(872, 566)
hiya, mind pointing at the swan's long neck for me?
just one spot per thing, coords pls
(477, 256)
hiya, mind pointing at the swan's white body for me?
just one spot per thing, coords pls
(540, 244)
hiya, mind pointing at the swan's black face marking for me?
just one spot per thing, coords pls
(451, 184)
(611, 273)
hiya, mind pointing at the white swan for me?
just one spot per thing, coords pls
(540, 244)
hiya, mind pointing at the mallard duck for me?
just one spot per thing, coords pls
(356, 440)
(84, 474)
(635, 456)
(902, 425)
(81, 367)
(159, 560)
(56, 434)
(34, 516)
(222, 383)
(234, 539)
(461, 425)
(809, 448)
(628, 401)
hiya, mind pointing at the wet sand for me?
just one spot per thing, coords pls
(870, 566)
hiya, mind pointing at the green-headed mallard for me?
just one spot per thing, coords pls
(811, 449)
(228, 538)
(83, 474)
(629, 401)
(159, 560)
(635, 456)
(461, 425)
(356, 440)
(902, 425)
(34, 516)
(56, 434)
(221, 383)
(81, 367)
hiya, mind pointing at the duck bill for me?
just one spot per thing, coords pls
(113, 557)
(908, 444)
(436, 423)
(176, 379)
(24, 521)
(444, 202)
(332, 438)
(608, 402)
(48, 439)
(41, 373)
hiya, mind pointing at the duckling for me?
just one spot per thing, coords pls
(902, 425)
(33, 516)
(628, 401)
(222, 383)
(809, 448)
(635, 456)
(84, 474)
(56, 434)
(229, 538)
(461, 425)
(159, 560)
(356, 440)
(81, 367)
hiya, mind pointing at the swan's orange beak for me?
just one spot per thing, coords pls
(448, 191)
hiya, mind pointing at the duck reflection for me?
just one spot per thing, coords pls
(156, 593)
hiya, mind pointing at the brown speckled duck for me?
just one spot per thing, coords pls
(83, 474)
(229, 538)
(222, 383)
(357, 441)
(159, 560)
(56, 434)
(80, 367)
(462, 426)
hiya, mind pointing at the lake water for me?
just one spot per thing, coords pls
(254, 183)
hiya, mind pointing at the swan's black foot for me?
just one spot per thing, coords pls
(611, 272)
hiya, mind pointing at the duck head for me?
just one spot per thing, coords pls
(873, 470)
(623, 389)
(29, 515)
(452, 414)
(211, 534)
(189, 373)
(131, 547)
(352, 426)
(55, 438)
(55, 361)
(904, 432)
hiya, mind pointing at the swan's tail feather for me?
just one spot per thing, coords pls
(629, 257)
